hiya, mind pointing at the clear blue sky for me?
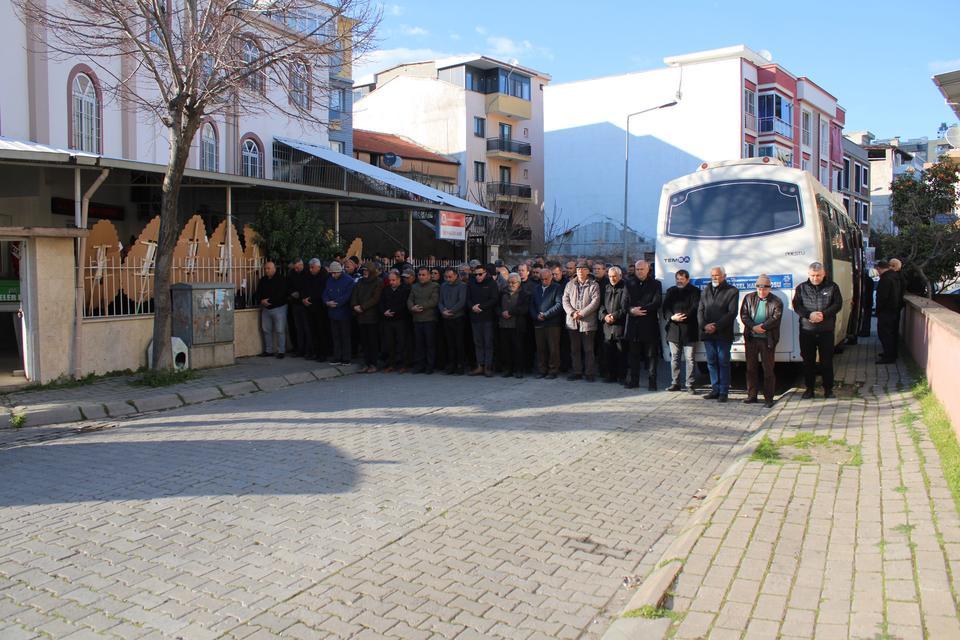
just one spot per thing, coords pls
(877, 57)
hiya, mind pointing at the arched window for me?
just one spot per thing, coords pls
(209, 156)
(85, 114)
(250, 54)
(299, 85)
(251, 158)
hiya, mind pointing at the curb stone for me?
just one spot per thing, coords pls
(120, 408)
(654, 588)
(239, 388)
(157, 403)
(203, 394)
(93, 412)
(272, 383)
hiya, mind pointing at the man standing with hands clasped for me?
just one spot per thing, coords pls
(715, 316)
(643, 300)
(817, 301)
(581, 299)
(760, 315)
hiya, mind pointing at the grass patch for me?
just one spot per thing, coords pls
(164, 378)
(766, 451)
(943, 436)
(857, 459)
(65, 382)
(900, 489)
(650, 612)
(803, 457)
(805, 440)
(17, 420)
(905, 529)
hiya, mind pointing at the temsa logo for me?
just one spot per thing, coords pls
(678, 260)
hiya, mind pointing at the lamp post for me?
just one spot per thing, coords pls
(626, 170)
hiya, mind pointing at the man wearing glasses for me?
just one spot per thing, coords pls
(760, 314)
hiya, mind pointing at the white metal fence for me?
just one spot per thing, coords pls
(114, 287)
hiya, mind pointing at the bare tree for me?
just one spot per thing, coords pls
(555, 224)
(182, 60)
(500, 231)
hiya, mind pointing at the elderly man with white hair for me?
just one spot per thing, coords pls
(760, 314)
(817, 302)
(716, 314)
(642, 330)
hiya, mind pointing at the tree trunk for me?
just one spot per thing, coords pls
(181, 137)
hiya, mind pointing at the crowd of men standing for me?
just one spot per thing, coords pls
(588, 320)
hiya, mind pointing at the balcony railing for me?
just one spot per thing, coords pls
(507, 145)
(750, 121)
(776, 125)
(509, 190)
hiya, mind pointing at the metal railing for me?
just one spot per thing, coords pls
(116, 288)
(508, 145)
(776, 125)
(510, 189)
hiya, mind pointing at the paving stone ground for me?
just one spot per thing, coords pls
(362, 506)
(800, 550)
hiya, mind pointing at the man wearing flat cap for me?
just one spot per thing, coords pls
(760, 314)
(581, 300)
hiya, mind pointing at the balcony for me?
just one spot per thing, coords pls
(509, 192)
(750, 121)
(509, 106)
(508, 149)
(777, 126)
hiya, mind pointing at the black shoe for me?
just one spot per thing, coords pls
(768, 404)
(590, 378)
(428, 372)
(417, 370)
(807, 394)
(652, 385)
(507, 374)
(280, 356)
(551, 376)
(722, 398)
(750, 401)
(631, 385)
(828, 393)
(673, 387)
(692, 391)
(609, 379)
(574, 376)
(541, 376)
(713, 395)
(518, 375)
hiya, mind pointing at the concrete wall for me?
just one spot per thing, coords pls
(53, 291)
(584, 137)
(932, 335)
(103, 353)
(246, 333)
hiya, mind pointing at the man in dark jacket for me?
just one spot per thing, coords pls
(644, 295)
(422, 304)
(546, 311)
(311, 297)
(483, 295)
(365, 302)
(453, 302)
(272, 295)
(888, 312)
(336, 298)
(679, 312)
(613, 316)
(817, 301)
(393, 310)
(760, 315)
(512, 321)
(716, 315)
(296, 279)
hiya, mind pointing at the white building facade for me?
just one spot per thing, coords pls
(730, 103)
(481, 112)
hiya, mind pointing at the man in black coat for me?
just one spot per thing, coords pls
(642, 330)
(483, 296)
(312, 284)
(679, 313)
(817, 301)
(716, 315)
(613, 317)
(888, 312)
(394, 320)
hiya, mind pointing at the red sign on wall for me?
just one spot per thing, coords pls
(451, 226)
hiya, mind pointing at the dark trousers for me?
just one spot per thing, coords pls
(548, 349)
(301, 327)
(582, 357)
(615, 359)
(319, 334)
(758, 348)
(370, 342)
(888, 328)
(511, 350)
(425, 349)
(812, 344)
(646, 350)
(467, 339)
(483, 343)
(530, 355)
(395, 343)
(453, 330)
(408, 341)
(340, 337)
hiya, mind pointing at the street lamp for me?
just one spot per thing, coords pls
(626, 170)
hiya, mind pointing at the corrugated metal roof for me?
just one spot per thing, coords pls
(377, 142)
(387, 177)
(28, 150)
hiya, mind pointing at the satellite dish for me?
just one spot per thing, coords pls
(392, 160)
(953, 136)
(766, 55)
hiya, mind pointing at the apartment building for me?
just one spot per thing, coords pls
(485, 113)
(887, 161)
(853, 184)
(729, 103)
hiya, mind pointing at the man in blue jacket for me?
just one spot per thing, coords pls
(546, 310)
(336, 296)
